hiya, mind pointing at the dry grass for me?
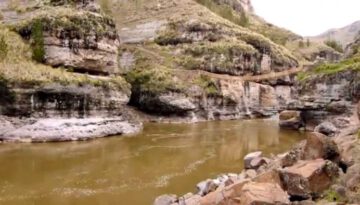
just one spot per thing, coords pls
(19, 69)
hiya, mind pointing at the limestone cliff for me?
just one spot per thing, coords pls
(47, 92)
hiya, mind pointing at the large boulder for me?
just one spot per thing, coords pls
(245, 193)
(326, 128)
(320, 146)
(307, 179)
(263, 193)
(290, 119)
(249, 158)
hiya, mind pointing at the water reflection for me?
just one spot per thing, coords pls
(133, 170)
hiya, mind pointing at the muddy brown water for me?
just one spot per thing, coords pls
(164, 158)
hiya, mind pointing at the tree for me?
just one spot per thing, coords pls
(37, 37)
(335, 45)
(308, 43)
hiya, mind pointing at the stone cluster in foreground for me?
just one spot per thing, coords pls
(315, 167)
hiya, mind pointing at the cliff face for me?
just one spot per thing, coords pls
(78, 39)
(186, 68)
(44, 77)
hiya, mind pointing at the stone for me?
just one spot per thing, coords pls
(207, 186)
(326, 128)
(262, 193)
(305, 202)
(250, 173)
(290, 119)
(249, 157)
(308, 178)
(189, 199)
(224, 195)
(258, 162)
(165, 200)
(60, 130)
(92, 48)
(320, 146)
(272, 177)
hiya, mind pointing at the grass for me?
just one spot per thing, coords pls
(152, 80)
(335, 45)
(81, 23)
(208, 84)
(331, 68)
(19, 70)
(332, 196)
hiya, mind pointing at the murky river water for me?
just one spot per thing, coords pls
(164, 158)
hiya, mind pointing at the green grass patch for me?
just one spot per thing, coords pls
(152, 80)
(208, 84)
(18, 69)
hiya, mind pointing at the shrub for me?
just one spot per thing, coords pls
(335, 45)
(38, 41)
(3, 48)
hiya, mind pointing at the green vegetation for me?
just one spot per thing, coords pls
(331, 68)
(208, 84)
(155, 80)
(79, 23)
(38, 41)
(18, 69)
(335, 45)
(333, 196)
(226, 12)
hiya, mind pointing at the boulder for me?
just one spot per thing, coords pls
(206, 187)
(326, 128)
(250, 157)
(308, 178)
(245, 193)
(320, 146)
(263, 193)
(291, 119)
(258, 162)
(165, 200)
(225, 195)
(271, 176)
(189, 199)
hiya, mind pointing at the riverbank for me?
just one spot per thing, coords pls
(321, 169)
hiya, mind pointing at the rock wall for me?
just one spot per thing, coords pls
(78, 39)
(65, 113)
(234, 100)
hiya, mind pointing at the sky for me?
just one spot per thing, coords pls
(308, 17)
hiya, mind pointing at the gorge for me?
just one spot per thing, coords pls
(228, 82)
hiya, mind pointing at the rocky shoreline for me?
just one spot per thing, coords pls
(321, 169)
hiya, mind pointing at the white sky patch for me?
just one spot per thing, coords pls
(308, 17)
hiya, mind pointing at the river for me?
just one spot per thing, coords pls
(133, 170)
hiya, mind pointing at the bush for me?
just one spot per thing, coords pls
(335, 45)
(3, 48)
(38, 41)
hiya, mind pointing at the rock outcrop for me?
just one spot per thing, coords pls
(81, 40)
(309, 178)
